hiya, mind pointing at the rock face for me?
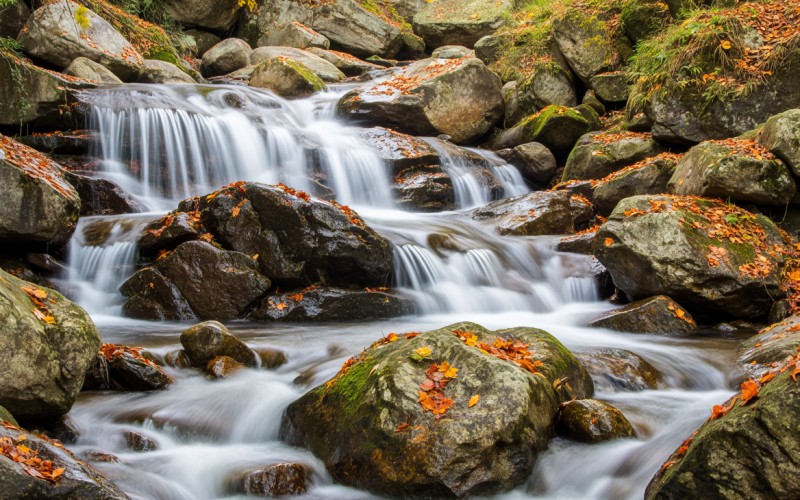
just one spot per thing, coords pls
(781, 135)
(215, 15)
(615, 370)
(592, 421)
(649, 176)
(539, 212)
(741, 170)
(295, 34)
(460, 22)
(102, 197)
(61, 31)
(205, 341)
(369, 427)
(45, 350)
(457, 97)
(225, 57)
(660, 315)
(86, 69)
(78, 480)
(317, 65)
(38, 204)
(712, 258)
(599, 154)
(286, 77)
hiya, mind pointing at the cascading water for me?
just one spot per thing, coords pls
(163, 143)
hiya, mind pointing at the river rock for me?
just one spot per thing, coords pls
(131, 372)
(611, 87)
(59, 32)
(713, 258)
(346, 63)
(215, 15)
(226, 57)
(332, 304)
(169, 231)
(740, 170)
(222, 367)
(203, 40)
(12, 19)
(273, 481)
(46, 347)
(317, 65)
(457, 97)
(294, 34)
(137, 441)
(592, 421)
(88, 70)
(557, 127)
(582, 243)
(599, 154)
(649, 176)
(401, 151)
(452, 52)
(271, 358)
(659, 315)
(773, 344)
(615, 370)
(460, 22)
(102, 197)
(286, 77)
(178, 359)
(781, 135)
(425, 191)
(205, 341)
(155, 71)
(38, 204)
(368, 426)
(536, 213)
(535, 162)
(78, 480)
(584, 41)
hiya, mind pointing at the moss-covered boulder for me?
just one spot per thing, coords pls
(47, 345)
(557, 127)
(546, 85)
(286, 77)
(740, 170)
(642, 19)
(614, 370)
(587, 43)
(659, 315)
(537, 213)
(714, 259)
(773, 344)
(6, 416)
(457, 97)
(599, 154)
(453, 412)
(319, 66)
(460, 22)
(781, 135)
(592, 421)
(611, 87)
(649, 176)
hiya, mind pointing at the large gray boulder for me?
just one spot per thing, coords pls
(38, 204)
(598, 154)
(59, 32)
(215, 15)
(319, 66)
(155, 71)
(585, 42)
(535, 162)
(88, 70)
(47, 345)
(781, 135)
(649, 176)
(457, 97)
(387, 423)
(205, 341)
(226, 57)
(537, 213)
(296, 35)
(286, 77)
(545, 86)
(460, 22)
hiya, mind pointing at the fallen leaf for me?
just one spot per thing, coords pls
(749, 391)
(402, 427)
(608, 242)
(423, 351)
(473, 400)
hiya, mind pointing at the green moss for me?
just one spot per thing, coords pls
(350, 388)
(387, 12)
(536, 123)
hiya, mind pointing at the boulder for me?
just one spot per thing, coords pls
(615, 370)
(102, 197)
(773, 344)
(533, 160)
(178, 359)
(273, 481)
(12, 19)
(537, 213)
(599, 154)
(547, 85)
(714, 259)
(387, 423)
(203, 40)
(401, 152)
(457, 97)
(332, 304)
(781, 135)
(585, 42)
(612, 87)
(592, 421)
(582, 243)
(460, 22)
(408, 8)
(294, 34)
(286, 77)
(271, 358)
(740, 170)
(168, 232)
(658, 315)
(215, 15)
(6, 416)
(490, 48)
(162, 301)
(128, 370)
(206, 341)
(63, 30)
(452, 52)
(317, 65)
(78, 479)
(155, 71)
(346, 63)
(62, 142)
(590, 98)
(222, 367)
(137, 441)
(47, 345)
(226, 57)
(425, 191)
(88, 70)
(645, 18)
(38, 204)
(557, 127)
(649, 176)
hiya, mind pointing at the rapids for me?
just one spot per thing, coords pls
(165, 143)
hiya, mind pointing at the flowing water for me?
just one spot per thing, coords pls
(164, 143)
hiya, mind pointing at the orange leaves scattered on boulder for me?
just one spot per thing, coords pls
(431, 390)
(511, 350)
(37, 296)
(112, 351)
(15, 450)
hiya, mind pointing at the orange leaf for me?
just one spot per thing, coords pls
(451, 372)
(57, 472)
(35, 292)
(749, 391)
(608, 242)
(400, 428)
(281, 306)
(474, 400)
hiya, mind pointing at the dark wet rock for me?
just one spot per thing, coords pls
(137, 441)
(578, 188)
(296, 35)
(535, 162)
(401, 151)
(557, 127)
(739, 170)
(579, 243)
(215, 15)
(780, 310)
(102, 197)
(178, 359)
(12, 19)
(134, 373)
(781, 135)
(161, 301)
(88, 70)
(332, 304)
(592, 421)
(369, 428)
(679, 248)
(223, 367)
(615, 370)
(45, 350)
(273, 481)
(226, 57)
(271, 358)
(425, 191)
(61, 142)
(318, 66)
(649, 176)
(205, 341)
(78, 480)
(659, 315)
(97, 377)
(169, 232)
(466, 21)
(348, 64)
(286, 77)
(599, 154)
(773, 344)
(457, 97)
(100, 456)
(536, 213)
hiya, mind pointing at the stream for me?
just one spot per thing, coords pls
(165, 143)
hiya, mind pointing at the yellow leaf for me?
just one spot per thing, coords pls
(281, 306)
(423, 351)
(57, 472)
(35, 292)
(474, 400)
(49, 320)
(451, 372)
(725, 44)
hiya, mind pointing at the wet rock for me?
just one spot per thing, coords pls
(61, 142)
(401, 151)
(99, 456)
(649, 176)
(134, 373)
(659, 315)
(740, 170)
(205, 341)
(535, 162)
(286, 77)
(12, 19)
(773, 344)
(97, 377)
(137, 441)
(53, 34)
(215, 15)
(78, 480)
(611, 87)
(294, 34)
(579, 188)
(178, 359)
(102, 197)
(452, 52)
(781, 135)
(539, 212)
(155, 71)
(557, 127)
(466, 21)
(682, 248)
(86, 69)
(273, 481)
(169, 232)
(161, 301)
(457, 97)
(47, 345)
(592, 421)
(615, 370)
(226, 57)
(367, 423)
(425, 191)
(38, 204)
(582, 243)
(346, 63)
(599, 154)
(332, 304)
(271, 358)
(780, 310)
(323, 69)
(222, 367)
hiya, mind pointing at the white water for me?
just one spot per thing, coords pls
(456, 269)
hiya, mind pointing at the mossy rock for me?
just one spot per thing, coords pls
(781, 135)
(773, 344)
(287, 78)
(592, 421)
(557, 127)
(649, 176)
(599, 154)
(460, 22)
